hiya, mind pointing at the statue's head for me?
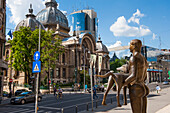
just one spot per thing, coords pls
(135, 45)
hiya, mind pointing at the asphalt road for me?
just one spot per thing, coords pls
(51, 104)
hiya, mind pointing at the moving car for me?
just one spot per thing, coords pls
(25, 97)
(19, 91)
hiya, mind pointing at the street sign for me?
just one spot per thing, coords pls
(10, 80)
(36, 67)
(36, 55)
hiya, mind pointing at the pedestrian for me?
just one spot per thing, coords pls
(102, 88)
(94, 93)
(72, 87)
(158, 88)
(79, 87)
(60, 91)
(55, 91)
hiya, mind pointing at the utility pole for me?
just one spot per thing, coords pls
(36, 101)
(160, 77)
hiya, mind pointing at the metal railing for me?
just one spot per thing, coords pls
(87, 106)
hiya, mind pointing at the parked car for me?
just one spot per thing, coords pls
(165, 83)
(19, 91)
(5, 94)
(25, 97)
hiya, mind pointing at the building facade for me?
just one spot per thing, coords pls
(78, 43)
(3, 64)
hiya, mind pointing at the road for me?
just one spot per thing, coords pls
(51, 104)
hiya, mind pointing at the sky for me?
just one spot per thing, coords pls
(120, 21)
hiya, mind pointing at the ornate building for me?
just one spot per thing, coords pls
(78, 46)
(3, 64)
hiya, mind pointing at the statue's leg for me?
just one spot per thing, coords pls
(144, 110)
(124, 95)
(136, 93)
(109, 86)
(118, 93)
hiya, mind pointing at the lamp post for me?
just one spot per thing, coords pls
(75, 61)
(84, 69)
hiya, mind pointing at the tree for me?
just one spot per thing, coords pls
(22, 51)
(50, 52)
(117, 63)
(24, 45)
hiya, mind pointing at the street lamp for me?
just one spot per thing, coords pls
(75, 41)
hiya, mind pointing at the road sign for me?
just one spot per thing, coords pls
(10, 80)
(36, 55)
(36, 67)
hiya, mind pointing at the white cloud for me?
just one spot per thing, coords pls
(121, 28)
(19, 8)
(117, 44)
(136, 17)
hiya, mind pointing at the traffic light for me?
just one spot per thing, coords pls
(32, 83)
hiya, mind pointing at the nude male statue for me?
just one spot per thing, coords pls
(136, 80)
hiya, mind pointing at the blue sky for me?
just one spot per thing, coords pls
(130, 19)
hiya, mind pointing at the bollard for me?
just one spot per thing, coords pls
(87, 107)
(76, 108)
(96, 103)
(111, 100)
(62, 110)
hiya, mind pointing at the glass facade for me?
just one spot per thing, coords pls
(77, 21)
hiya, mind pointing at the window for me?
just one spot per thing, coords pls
(63, 58)
(58, 72)
(106, 65)
(94, 24)
(1, 49)
(64, 72)
(0, 85)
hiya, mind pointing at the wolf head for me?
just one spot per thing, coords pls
(124, 68)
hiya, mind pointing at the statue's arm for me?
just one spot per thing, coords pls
(132, 76)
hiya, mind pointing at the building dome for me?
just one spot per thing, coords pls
(30, 21)
(51, 15)
(101, 48)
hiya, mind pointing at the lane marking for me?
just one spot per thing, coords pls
(18, 111)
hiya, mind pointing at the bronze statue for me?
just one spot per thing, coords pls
(136, 80)
(119, 79)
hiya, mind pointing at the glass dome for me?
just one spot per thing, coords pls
(51, 15)
(30, 21)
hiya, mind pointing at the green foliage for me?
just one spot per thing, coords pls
(87, 77)
(25, 44)
(117, 63)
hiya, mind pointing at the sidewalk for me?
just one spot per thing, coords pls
(157, 103)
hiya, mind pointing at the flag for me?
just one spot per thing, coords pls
(100, 63)
(9, 35)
